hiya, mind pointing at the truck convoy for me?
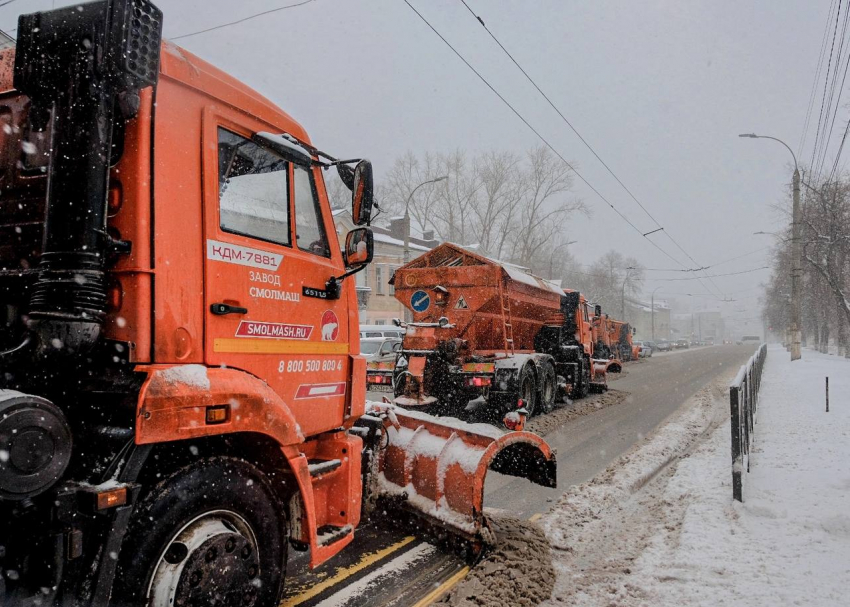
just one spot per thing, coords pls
(488, 332)
(181, 389)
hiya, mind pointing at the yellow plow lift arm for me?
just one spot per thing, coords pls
(437, 465)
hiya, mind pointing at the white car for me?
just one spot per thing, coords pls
(645, 350)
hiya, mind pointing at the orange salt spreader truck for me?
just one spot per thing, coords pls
(181, 391)
(489, 334)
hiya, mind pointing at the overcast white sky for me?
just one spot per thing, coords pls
(660, 88)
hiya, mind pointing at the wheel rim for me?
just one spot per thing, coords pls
(213, 559)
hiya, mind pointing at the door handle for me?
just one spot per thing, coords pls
(220, 309)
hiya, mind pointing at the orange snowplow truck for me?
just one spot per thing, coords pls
(602, 336)
(489, 333)
(620, 339)
(181, 391)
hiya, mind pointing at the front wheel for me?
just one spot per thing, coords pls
(210, 534)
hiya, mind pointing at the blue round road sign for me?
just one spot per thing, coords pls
(420, 301)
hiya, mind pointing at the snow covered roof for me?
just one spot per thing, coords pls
(395, 241)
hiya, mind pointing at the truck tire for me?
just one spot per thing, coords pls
(528, 388)
(210, 534)
(583, 383)
(548, 387)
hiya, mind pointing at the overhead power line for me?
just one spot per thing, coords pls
(812, 93)
(713, 275)
(831, 107)
(243, 20)
(825, 85)
(536, 132)
(585, 142)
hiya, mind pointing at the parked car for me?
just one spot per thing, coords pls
(652, 346)
(372, 331)
(381, 354)
(664, 346)
(645, 350)
(377, 348)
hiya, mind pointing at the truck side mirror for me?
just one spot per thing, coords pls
(359, 247)
(362, 196)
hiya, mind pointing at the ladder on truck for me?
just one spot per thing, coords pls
(507, 321)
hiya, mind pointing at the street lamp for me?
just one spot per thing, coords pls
(407, 215)
(653, 313)
(796, 304)
(552, 256)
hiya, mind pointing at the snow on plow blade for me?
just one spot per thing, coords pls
(437, 466)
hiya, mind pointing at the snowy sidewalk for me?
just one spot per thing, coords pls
(680, 539)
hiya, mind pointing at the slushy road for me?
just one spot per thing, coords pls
(390, 567)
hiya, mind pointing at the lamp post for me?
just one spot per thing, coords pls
(652, 314)
(552, 255)
(407, 215)
(796, 304)
(623, 301)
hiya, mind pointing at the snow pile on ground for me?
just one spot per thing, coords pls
(564, 412)
(647, 533)
(517, 571)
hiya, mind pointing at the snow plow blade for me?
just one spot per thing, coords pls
(436, 467)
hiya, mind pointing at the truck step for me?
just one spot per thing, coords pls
(330, 534)
(320, 467)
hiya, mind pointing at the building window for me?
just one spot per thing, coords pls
(380, 322)
(379, 280)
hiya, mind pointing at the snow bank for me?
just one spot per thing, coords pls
(641, 534)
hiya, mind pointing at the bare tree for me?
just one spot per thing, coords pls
(543, 211)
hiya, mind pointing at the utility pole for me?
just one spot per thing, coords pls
(623, 304)
(796, 271)
(794, 330)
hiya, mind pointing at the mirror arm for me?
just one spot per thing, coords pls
(332, 286)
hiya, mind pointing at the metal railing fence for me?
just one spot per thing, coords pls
(743, 404)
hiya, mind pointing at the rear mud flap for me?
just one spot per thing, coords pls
(599, 374)
(435, 467)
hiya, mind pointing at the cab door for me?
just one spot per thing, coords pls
(267, 243)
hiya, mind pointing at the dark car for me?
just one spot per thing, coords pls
(664, 346)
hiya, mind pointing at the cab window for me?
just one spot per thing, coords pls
(309, 229)
(253, 190)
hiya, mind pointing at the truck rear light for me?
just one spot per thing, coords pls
(378, 379)
(111, 498)
(479, 382)
(115, 295)
(218, 414)
(115, 199)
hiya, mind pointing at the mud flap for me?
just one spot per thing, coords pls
(599, 374)
(435, 467)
